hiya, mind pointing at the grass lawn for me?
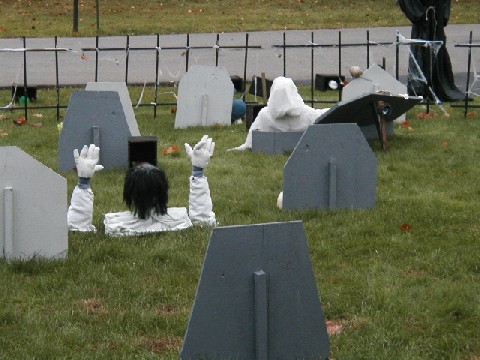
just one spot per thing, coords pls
(395, 291)
(398, 281)
(55, 18)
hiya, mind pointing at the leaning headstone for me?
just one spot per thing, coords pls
(332, 167)
(205, 96)
(257, 297)
(277, 143)
(122, 90)
(95, 117)
(374, 79)
(33, 208)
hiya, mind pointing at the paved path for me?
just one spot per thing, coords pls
(77, 65)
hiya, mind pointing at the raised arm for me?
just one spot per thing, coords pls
(80, 211)
(200, 208)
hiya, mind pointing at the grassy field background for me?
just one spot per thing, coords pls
(398, 281)
(55, 17)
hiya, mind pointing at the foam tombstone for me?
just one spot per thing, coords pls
(205, 96)
(33, 208)
(332, 167)
(257, 297)
(98, 117)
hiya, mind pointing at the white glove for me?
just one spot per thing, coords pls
(202, 152)
(87, 160)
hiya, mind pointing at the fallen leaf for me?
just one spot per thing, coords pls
(38, 115)
(4, 134)
(406, 227)
(471, 114)
(445, 143)
(20, 121)
(334, 328)
(173, 150)
(3, 117)
(84, 56)
(36, 124)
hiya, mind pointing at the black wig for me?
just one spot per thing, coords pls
(146, 189)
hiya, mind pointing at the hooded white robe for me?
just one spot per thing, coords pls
(285, 111)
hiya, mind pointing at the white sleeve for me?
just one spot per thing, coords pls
(80, 211)
(200, 203)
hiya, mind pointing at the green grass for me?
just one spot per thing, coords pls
(55, 18)
(399, 294)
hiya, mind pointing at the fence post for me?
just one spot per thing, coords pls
(284, 56)
(56, 80)
(96, 58)
(368, 49)
(339, 64)
(25, 86)
(312, 79)
(469, 64)
(187, 55)
(245, 68)
(217, 48)
(157, 55)
(127, 55)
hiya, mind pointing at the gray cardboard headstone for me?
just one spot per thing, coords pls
(122, 90)
(277, 143)
(373, 79)
(257, 298)
(95, 117)
(33, 208)
(332, 167)
(205, 96)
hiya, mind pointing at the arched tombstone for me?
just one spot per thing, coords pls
(96, 117)
(257, 297)
(331, 167)
(205, 96)
(33, 208)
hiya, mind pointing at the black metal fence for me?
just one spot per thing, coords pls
(285, 48)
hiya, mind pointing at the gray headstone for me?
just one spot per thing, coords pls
(257, 297)
(373, 79)
(33, 208)
(205, 96)
(332, 167)
(122, 90)
(277, 143)
(95, 117)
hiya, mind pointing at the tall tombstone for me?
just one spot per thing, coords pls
(96, 117)
(33, 208)
(374, 79)
(122, 90)
(332, 167)
(205, 96)
(257, 297)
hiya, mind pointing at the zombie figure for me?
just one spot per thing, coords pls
(429, 18)
(145, 193)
